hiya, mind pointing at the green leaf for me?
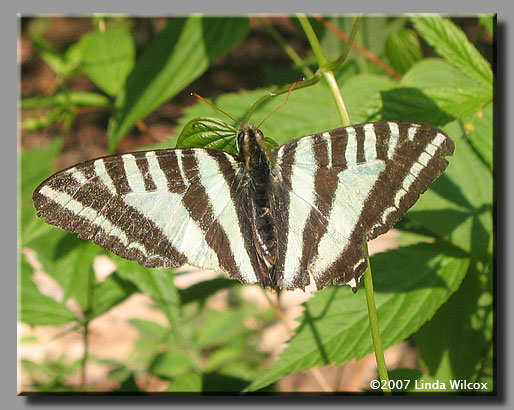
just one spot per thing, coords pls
(458, 205)
(110, 292)
(459, 102)
(36, 308)
(107, 58)
(219, 328)
(203, 290)
(412, 104)
(180, 53)
(481, 134)
(455, 353)
(208, 132)
(436, 72)
(35, 166)
(76, 98)
(191, 382)
(451, 43)
(171, 364)
(150, 330)
(410, 285)
(403, 49)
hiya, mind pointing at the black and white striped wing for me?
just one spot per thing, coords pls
(341, 188)
(162, 208)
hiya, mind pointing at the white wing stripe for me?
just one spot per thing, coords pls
(393, 141)
(327, 138)
(102, 173)
(351, 146)
(156, 172)
(300, 204)
(370, 142)
(134, 177)
(412, 131)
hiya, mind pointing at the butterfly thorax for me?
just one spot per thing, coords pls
(257, 160)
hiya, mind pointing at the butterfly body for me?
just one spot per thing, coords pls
(279, 218)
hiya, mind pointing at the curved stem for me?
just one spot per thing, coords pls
(345, 120)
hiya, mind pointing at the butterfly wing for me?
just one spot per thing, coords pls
(336, 190)
(162, 208)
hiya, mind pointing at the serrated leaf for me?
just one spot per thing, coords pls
(110, 292)
(107, 58)
(36, 308)
(208, 132)
(410, 285)
(403, 49)
(180, 53)
(455, 353)
(450, 42)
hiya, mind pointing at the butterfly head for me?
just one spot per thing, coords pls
(251, 145)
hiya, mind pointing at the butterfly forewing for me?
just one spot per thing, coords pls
(162, 208)
(344, 187)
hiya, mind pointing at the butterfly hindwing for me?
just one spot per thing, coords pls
(344, 187)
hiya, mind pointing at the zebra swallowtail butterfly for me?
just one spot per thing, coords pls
(273, 217)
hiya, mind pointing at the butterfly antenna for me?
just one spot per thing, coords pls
(213, 106)
(284, 103)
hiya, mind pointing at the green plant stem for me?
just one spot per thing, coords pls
(373, 325)
(345, 120)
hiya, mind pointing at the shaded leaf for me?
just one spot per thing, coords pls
(410, 285)
(180, 53)
(202, 290)
(458, 205)
(481, 134)
(455, 353)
